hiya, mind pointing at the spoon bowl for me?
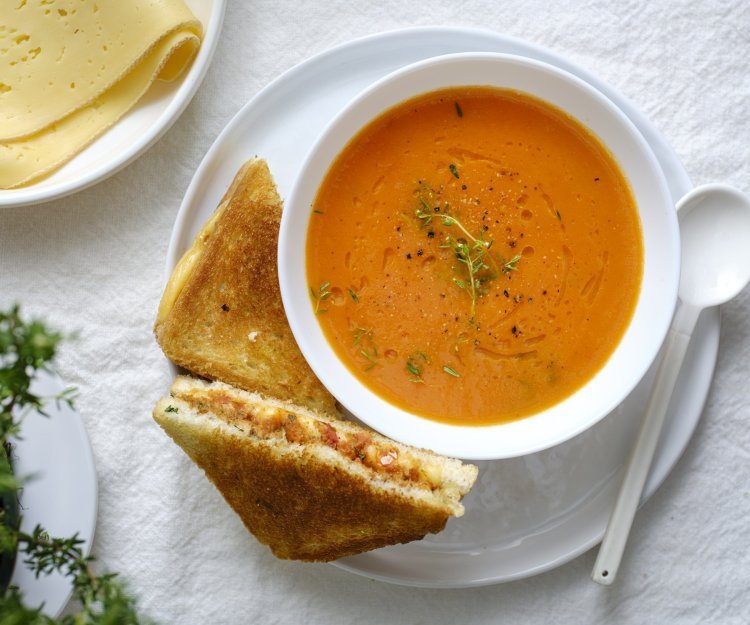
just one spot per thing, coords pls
(714, 226)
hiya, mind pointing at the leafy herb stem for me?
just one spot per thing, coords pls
(364, 338)
(471, 252)
(448, 220)
(451, 371)
(27, 347)
(413, 366)
(473, 258)
(323, 293)
(360, 333)
(511, 265)
(371, 356)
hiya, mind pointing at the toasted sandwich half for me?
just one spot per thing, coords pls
(311, 487)
(221, 314)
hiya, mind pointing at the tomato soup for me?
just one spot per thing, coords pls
(474, 255)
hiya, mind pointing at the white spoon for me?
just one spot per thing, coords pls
(715, 235)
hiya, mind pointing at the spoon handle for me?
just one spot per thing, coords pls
(639, 464)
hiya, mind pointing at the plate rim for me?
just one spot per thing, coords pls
(30, 195)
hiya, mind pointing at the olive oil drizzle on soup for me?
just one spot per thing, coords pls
(474, 255)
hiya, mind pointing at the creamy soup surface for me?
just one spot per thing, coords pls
(474, 255)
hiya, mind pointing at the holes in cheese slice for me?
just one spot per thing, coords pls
(27, 159)
(47, 46)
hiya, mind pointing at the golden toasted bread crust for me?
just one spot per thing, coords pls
(299, 500)
(309, 500)
(228, 321)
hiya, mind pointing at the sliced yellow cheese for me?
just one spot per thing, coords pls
(33, 156)
(57, 56)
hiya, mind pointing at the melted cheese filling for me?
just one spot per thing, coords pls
(271, 422)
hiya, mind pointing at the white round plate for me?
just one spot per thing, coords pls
(137, 131)
(525, 515)
(61, 495)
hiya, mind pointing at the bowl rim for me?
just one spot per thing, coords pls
(468, 441)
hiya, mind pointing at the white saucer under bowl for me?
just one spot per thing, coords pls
(526, 515)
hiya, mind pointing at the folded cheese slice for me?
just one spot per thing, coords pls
(59, 55)
(69, 69)
(27, 159)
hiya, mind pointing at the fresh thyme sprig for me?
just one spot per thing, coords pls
(472, 252)
(412, 368)
(451, 371)
(364, 338)
(473, 258)
(414, 364)
(359, 333)
(427, 216)
(372, 357)
(510, 265)
(24, 349)
(27, 347)
(321, 295)
(102, 597)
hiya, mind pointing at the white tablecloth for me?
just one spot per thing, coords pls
(94, 262)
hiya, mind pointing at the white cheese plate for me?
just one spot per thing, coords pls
(138, 129)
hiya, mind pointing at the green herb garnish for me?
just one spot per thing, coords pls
(450, 371)
(413, 363)
(511, 265)
(364, 338)
(355, 297)
(323, 294)
(447, 220)
(459, 112)
(372, 357)
(472, 257)
(360, 333)
(480, 265)
(453, 169)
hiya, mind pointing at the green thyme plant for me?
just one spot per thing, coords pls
(27, 347)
